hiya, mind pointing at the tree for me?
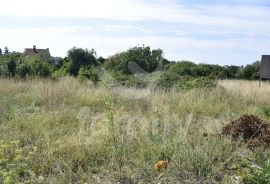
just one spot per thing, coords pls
(232, 71)
(101, 60)
(6, 51)
(37, 66)
(0, 52)
(80, 57)
(136, 60)
(250, 72)
(23, 70)
(181, 68)
(11, 64)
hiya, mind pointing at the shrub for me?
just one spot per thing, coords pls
(128, 80)
(36, 66)
(135, 60)
(88, 73)
(11, 64)
(250, 72)
(23, 70)
(80, 57)
(16, 163)
(259, 175)
(172, 80)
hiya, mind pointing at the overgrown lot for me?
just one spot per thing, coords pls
(64, 131)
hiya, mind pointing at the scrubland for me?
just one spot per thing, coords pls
(64, 131)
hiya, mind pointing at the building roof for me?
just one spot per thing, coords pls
(35, 52)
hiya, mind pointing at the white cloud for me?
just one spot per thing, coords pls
(211, 51)
(237, 18)
(117, 9)
(218, 19)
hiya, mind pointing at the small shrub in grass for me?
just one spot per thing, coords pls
(17, 163)
(170, 80)
(258, 176)
(128, 80)
(190, 83)
(265, 111)
(59, 73)
(88, 73)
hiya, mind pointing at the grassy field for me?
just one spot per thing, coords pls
(67, 132)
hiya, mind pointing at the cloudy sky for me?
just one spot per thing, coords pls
(226, 32)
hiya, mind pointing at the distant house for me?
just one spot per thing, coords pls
(37, 52)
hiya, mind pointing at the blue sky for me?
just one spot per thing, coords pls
(212, 31)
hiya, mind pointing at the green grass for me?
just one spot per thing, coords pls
(83, 133)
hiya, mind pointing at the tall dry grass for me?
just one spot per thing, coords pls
(88, 134)
(248, 89)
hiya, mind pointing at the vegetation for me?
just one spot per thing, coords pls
(136, 60)
(88, 119)
(80, 58)
(136, 67)
(64, 131)
(18, 164)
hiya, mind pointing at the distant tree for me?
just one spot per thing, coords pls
(3, 69)
(37, 66)
(232, 71)
(23, 70)
(61, 62)
(80, 57)
(1, 52)
(187, 68)
(101, 60)
(250, 72)
(135, 60)
(6, 51)
(11, 64)
(181, 68)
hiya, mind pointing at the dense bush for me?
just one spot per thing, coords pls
(9, 63)
(80, 57)
(17, 163)
(15, 64)
(128, 80)
(88, 73)
(38, 67)
(258, 175)
(202, 70)
(23, 70)
(136, 60)
(173, 80)
(250, 72)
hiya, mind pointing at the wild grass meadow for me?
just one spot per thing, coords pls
(64, 131)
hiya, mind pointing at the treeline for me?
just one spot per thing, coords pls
(138, 67)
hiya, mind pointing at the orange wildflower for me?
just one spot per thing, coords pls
(161, 164)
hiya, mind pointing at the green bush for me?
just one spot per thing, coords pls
(16, 163)
(258, 176)
(23, 70)
(172, 80)
(128, 80)
(250, 72)
(135, 60)
(201, 70)
(34, 66)
(80, 57)
(88, 73)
